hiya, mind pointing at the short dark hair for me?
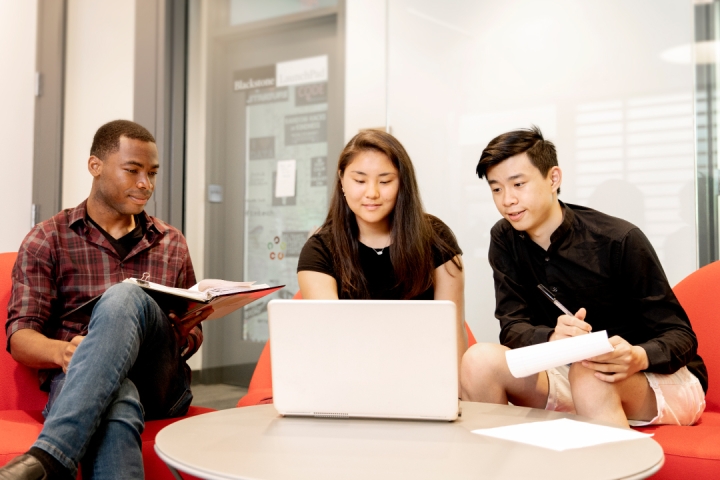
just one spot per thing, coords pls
(541, 152)
(107, 137)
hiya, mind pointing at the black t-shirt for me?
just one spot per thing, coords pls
(127, 242)
(317, 257)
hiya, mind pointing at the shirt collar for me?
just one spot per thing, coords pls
(79, 214)
(565, 226)
(560, 232)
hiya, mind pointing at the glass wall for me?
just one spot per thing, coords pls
(265, 104)
(625, 89)
(596, 76)
(706, 56)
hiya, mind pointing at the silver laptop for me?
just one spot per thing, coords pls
(364, 358)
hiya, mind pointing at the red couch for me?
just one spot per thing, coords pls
(694, 452)
(21, 401)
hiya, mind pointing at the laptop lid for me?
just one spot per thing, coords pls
(364, 358)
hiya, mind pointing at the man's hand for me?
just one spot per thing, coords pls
(69, 350)
(623, 362)
(184, 325)
(568, 326)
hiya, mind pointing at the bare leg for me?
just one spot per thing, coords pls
(485, 377)
(611, 402)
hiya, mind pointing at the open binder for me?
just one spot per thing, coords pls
(222, 300)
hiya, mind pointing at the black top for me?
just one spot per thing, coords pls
(603, 264)
(317, 257)
(127, 242)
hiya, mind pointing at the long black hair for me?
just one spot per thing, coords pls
(412, 230)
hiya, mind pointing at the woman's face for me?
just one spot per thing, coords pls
(370, 183)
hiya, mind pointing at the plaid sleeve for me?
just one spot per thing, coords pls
(33, 285)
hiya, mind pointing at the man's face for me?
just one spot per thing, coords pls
(125, 180)
(522, 194)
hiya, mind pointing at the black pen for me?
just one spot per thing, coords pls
(554, 300)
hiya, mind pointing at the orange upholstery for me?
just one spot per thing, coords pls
(260, 388)
(694, 452)
(21, 401)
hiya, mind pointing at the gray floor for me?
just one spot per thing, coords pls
(218, 396)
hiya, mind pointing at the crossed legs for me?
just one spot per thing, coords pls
(129, 354)
(485, 377)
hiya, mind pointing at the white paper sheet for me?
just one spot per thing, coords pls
(285, 179)
(561, 434)
(527, 361)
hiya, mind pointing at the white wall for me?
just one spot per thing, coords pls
(365, 65)
(99, 82)
(18, 32)
(196, 134)
(196, 143)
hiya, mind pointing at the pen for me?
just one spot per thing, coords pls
(554, 300)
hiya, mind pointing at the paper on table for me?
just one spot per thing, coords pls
(527, 361)
(561, 434)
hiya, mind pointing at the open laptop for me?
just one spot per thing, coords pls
(364, 358)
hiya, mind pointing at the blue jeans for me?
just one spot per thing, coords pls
(127, 368)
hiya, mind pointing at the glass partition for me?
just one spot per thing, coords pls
(592, 75)
(265, 115)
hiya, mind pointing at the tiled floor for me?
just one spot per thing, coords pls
(218, 396)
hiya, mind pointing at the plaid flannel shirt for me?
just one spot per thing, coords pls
(65, 261)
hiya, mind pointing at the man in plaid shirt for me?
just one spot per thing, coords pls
(126, 363)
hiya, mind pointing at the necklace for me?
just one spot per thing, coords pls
(379, 251)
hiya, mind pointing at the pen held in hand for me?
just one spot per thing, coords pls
(554, 300)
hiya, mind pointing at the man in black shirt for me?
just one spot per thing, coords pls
(601, 267)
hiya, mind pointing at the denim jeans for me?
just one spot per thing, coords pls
(127, 368)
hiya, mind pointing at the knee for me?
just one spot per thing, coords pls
(585, 386)
(121, 294)
(483, 360)
(125, 301)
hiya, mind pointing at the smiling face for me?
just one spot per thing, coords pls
(125, 180)
(370, 183)
(525, 198)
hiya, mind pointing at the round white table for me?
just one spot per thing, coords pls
(255, 443)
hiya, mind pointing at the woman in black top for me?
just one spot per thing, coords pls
(377, 242)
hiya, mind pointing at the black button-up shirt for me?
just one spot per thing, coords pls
(603, 264)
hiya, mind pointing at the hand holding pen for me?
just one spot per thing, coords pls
(568, 325)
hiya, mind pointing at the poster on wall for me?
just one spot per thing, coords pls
(286, 174)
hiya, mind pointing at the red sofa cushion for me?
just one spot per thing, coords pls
(19, 384)
(694, 452)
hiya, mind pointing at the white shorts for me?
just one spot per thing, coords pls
(680, 397)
